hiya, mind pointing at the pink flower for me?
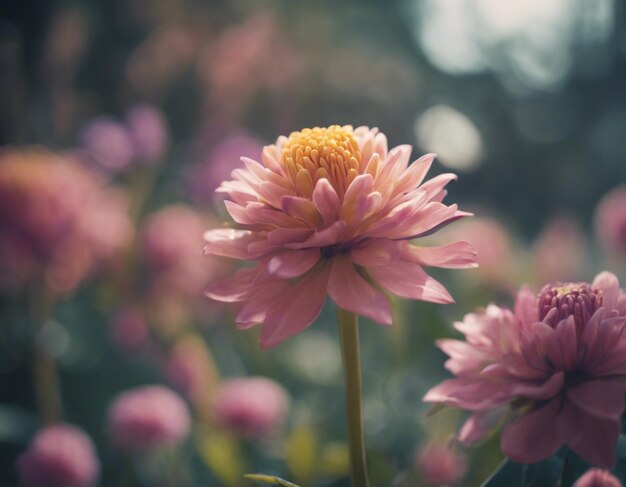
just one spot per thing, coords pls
(129, 330)
(148, 131)
(552, 371)
(562, 233)
(171, 243)
(58, 221)
(493, 247)
(59, 456)
(330, 210)
(597, 478)
(191, 370)
(254, 406)
(610, 221)
(441, 464)
(109, 143)
(148, 417)
(219, 163)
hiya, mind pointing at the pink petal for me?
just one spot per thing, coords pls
(355, 197)
(229, 242)
(326, 201)
(258, 301)
(608, 283)
(541, 391)
(376, 252)
(592, 437)
(234, 288)
(301, 208)
(479, 425)
(415, 174)
(457, 255)
(296, 309)
(408, 280)
(526, 308)
(600, 397)
(293, 263)
(323, 238)
(353, 293)
(533, 437)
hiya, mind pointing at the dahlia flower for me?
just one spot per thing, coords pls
(59, 456)
(440, 464)
(253, 406)
(552, 371)
(331, 210)
(57, 220)
(597, 478)
(147, 417)
(148, 131)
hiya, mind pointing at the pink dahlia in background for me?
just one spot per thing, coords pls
(59, 456)
(109, 143)
(441, 464)
(58, 221)
(597, 478)
(171, 244)
(564, 234)
(218, 163)
(254, 406)
(552, 371)
(493, 247)
(148, 132)
(331, 211)
(147, 417)
(610, 221)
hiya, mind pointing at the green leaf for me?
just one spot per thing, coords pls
(269, 479)
(542, 474)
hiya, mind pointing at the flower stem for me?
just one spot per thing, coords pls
(44, 368)
(349, 333)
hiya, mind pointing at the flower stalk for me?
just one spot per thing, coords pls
(349, 333)
(45, 372)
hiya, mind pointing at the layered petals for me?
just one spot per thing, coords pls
(561, 381)
(335, 207)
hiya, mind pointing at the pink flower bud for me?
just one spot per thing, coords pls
(253, 406)
(59, 456)
(147, 417)
(148, 131)
(610, 221)
(109, 143)
(128, 329)
(441, 465)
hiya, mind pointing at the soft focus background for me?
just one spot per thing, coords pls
(156, 101)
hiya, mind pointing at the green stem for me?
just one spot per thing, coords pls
(45, 373)
(349, 332)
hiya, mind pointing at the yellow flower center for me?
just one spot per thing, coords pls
(328, 152)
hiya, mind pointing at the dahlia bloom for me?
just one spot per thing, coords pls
(148, 131)
(610, 221)
(331, 210)
(253, 406)
(597, 478)
(59, 456)
(552, 371)
(561, 233)
(147, 417)
(441, 465)
(216, 165)
(57, 220)
(109, 143)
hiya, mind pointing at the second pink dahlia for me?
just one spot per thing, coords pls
(331, 211)
(552, 371)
